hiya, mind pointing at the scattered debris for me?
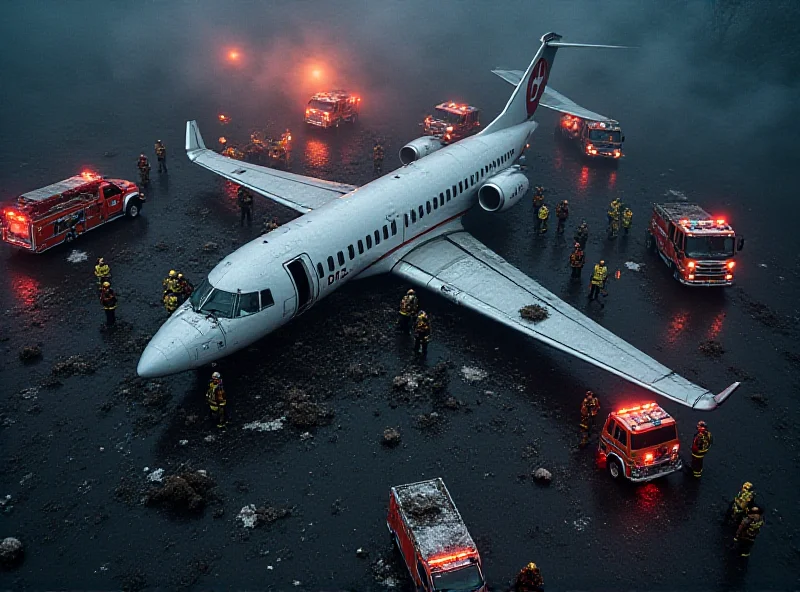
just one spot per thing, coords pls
(676, 194)
(5, 505)
(30, 353)
(428, 420)
(452, 403)
(384, 573)
(764, 265)
(407, 381)
(759, 399)
(210, 439)
(306, 436)
(633, 266)
(304, 412)
(391, 437)
(30, 393)
(534, 312)
(210, 247)
(161, 246)
(581, 523)
(11, 551)
(261, 426)
(77, 256)
(250, 516)
(187, 491)
(336, 507)
(543, 476)
(711, 348)
(361, 553)
(157, 476)
(72, 366)
(183, 442)
(473, 374)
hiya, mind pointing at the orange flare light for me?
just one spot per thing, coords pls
(449, 558)
(223, 118)
(234, 55)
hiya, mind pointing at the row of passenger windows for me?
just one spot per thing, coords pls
(455, 190)
(369, 240)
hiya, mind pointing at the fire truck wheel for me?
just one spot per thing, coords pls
(134, 207)
(614, 468)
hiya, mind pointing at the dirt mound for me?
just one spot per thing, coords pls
(72, 366)
(304, 412)
(187, 491)
(711, 348)
(415, 382)
(534, 312)
(11, 551)
(391, 437)
(30, 353)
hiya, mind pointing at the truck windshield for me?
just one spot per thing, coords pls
(450, 118)
(321, 105)
(597, 135)
(709, 246)
(466, 579)
(653, 437)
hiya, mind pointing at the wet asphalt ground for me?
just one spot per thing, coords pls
(78, 440)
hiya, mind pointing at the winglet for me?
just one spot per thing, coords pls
(709, 402)
(194, 141)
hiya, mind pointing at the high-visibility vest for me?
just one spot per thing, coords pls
(102, 271)
(544, 213)
(600, 274)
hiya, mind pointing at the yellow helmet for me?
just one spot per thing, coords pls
(101, 261)
(106, 285)
(180, 276)
(216, 376)
(602, 262)
(411, 292)
(172, 273)
(531, 565)
(747, 486)
(423, 314)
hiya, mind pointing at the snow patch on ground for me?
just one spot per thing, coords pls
(77, 256)
(247, 516)
(581, 523)
(156, 476)
(473, 374)
(266, 426)
(676, 194)
(633, 266)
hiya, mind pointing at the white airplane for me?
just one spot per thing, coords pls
(406, 223)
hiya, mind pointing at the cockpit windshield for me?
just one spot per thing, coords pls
(219, 303)
(199, 294)
(227, 305)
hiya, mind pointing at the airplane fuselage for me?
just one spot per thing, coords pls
(272, 279)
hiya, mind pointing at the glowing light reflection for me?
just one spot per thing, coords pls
(316, 153)
(677, 325)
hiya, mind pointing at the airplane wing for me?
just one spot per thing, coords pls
(467, 272)
(552, 99)
(298, 192)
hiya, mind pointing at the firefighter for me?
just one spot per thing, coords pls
(577, 260)
(377, 158)
(409, 306)
(700, 446)
(171, 302)
(245, 201)
(170, 283)
(598, 280)
(562, 213)
(144, 169)
(627, 218)
(185, 289)
(102, 272)
(270, 225)
(593, 405)
(585, 425)
(529, 579)
(748, 531)
(613, 218)
(109, 301)
(215, 397)
(543, 216)
(538, 198)
(742, 503)
(161, 155)
(582, 234)
(422, 333)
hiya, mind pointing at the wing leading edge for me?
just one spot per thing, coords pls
(298, 192)
(552, 99)
(467, 272)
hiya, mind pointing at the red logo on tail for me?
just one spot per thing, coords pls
(536, 84)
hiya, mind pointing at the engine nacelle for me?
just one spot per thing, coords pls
(419, 148)
(503, 190)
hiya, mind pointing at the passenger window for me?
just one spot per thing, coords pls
(377, 237)
(441, 198)
(360, 248)
(483, 171)
(448, 193)
(466, 187)
(111, 190)
(351, 252)
(405, 220)
(248, 304)
(369, 241)
(385, 232)
(340, 257)
(421, 212)
(266, 299)
(428, 207)
(435, 202)
(460, 187)
(331, 266)
(394, 226)
(320, 271)
(472, 180)
(413, 216)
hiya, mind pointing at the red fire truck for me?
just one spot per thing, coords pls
(698, 247)
(330, 109)
(433, 539)
(595, 139)
(640, 443)
(61, 212)
(452, 122)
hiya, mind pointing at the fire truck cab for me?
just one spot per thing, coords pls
(330, 109)
(639, 443)
(433, 539)
(595, 139)
(452, 122)
(61, 212)
(698, 247)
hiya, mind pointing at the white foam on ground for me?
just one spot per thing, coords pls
(247, 516)
(77, 256)
(633, 266)
(473, 374)
(156, 476)
(266, 426)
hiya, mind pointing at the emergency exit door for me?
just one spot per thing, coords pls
(305, 284)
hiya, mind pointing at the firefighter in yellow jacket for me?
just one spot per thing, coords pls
(422, 333)
(627, 218)
(215, 397)
(599, 276)
(529, 579)
(170, 301)
(748, 531)
(170, 283)
(543, 216)
(102, 272)
(109, 301)
(744, 500)
(701, 443)
(409, 306)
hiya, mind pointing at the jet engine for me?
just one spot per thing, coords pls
(419, 148)
(503, 190)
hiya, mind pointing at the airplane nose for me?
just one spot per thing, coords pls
(154, 363)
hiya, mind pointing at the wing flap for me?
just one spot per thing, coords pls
(298, 192)
(463, 270)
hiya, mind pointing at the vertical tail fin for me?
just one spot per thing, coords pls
(525, 98)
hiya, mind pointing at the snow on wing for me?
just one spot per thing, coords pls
(552, 99)
(298, 192)
(465, 271)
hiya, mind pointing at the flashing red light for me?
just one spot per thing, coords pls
(316, 74)
(589, 147)
(223, 140)
(449, 558)
(684, 221)
(648, 458)
(675, 448)
(691, 276)
(690, 265)
(731, 264)
(720, 221)
(729, 276)
(449, 128)
(234, 55)
(223, 118)
(89, 175)
(637, 408)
